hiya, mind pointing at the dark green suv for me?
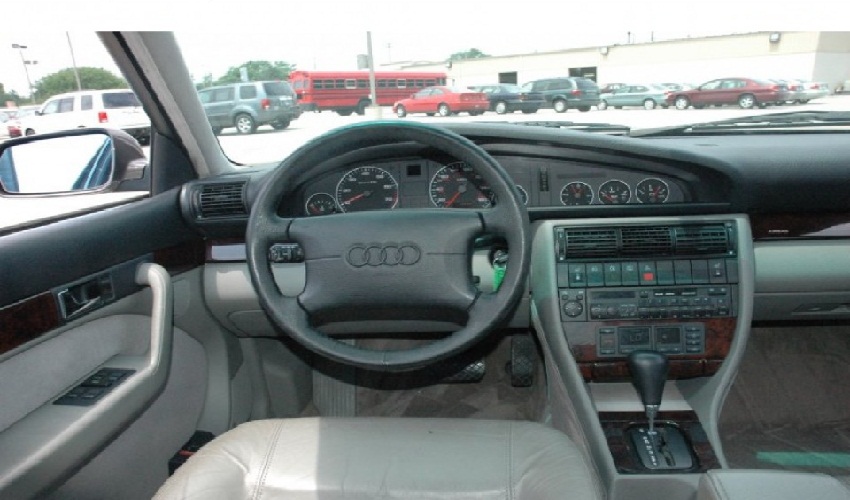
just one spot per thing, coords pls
(563, 93)
(249, 105)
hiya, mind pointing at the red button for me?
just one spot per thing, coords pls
(648, 277)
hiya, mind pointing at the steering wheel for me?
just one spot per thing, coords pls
(404, 264)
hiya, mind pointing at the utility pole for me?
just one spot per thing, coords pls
(25, 62)
(372, 86)
(74, 62)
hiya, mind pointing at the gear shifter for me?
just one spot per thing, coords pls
(665, 448)
(649, 372)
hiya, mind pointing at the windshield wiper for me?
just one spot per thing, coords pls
(791, 119)
(600, 128)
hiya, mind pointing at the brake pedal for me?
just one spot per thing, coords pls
(522, 365)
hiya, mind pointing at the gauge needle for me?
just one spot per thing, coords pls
(452, 199)
(354, 198)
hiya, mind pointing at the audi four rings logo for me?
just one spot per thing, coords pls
(383, 255)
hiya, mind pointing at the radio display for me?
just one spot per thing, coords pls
(620, 294)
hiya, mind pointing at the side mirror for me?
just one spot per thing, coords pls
(38, 112)
(79, 160)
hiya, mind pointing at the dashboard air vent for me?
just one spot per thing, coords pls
(591, 242)
(222, 200)
(646, 240)
(701, 240)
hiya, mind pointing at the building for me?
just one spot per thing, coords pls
(809, 55)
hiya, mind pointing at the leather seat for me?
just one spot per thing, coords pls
(353, 458)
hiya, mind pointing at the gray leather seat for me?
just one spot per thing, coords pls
(352, 458)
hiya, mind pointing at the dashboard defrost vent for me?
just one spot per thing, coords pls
(591, 242)
(222, 200)
(646, 240)
(701, 240)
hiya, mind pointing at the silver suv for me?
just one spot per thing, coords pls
(249, 105)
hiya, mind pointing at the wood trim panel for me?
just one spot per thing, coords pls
(719, 333)
(27, 320)
(792, 226)
(615, 424)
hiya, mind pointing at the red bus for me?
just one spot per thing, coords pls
(347, 92)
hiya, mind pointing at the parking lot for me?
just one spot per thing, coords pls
(268, 145)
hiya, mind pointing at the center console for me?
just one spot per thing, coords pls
(671, 288)
(608, 291)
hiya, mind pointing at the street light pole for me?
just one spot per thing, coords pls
(26, 70)
(74, 63)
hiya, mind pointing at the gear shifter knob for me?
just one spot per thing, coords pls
(649, 372)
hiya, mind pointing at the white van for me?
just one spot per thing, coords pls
(112, 108)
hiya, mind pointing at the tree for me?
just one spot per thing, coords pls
(8, 96)
(258, 70)
(472, 53)
(206, 82)
(65, 81)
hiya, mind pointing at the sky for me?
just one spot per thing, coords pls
(315, 34)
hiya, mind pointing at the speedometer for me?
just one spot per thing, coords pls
(367, 188)
(457, 185)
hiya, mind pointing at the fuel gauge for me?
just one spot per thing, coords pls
(320, 204)
(614, 192)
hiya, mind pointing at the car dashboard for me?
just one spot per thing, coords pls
(618, 220)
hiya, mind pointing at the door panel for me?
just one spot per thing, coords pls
(78, 296)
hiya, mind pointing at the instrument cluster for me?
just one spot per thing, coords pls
(424, 183)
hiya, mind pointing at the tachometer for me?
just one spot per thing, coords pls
(652, 190)
(367, 188)
(458, 186)
(614, 192)
(577, 193)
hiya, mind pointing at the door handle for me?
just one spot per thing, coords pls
(85, 296)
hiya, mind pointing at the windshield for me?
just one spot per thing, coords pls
(638, 78)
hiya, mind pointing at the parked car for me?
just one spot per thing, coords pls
(564, 93)
(809, 90)
(249, 105)
(609, 88)
(796, 90)
(443, 101)
(110, 108)
(745, 92)
(14, 124)
(6, 116)
(646, 95)
(507, 98)
(678, 86)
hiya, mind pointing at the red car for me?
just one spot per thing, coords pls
(745, 92)
(443, 101)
